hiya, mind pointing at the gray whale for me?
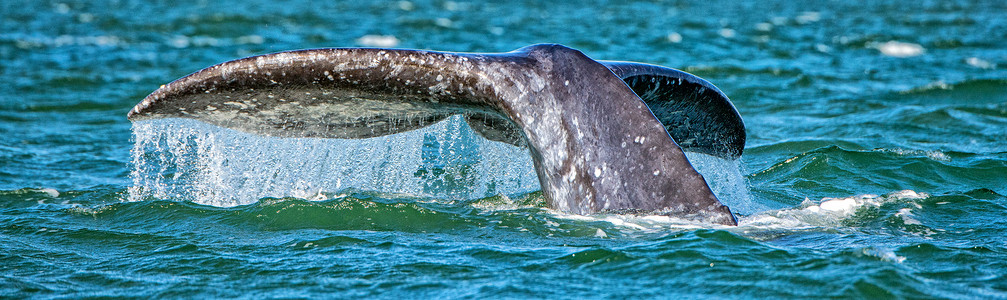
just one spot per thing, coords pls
(603, 136)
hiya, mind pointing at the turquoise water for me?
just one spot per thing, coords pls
(876, 163)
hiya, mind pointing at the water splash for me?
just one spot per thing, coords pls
(189, 160)
(727, 180)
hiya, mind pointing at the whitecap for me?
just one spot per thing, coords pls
(936, 155)
(808, 17)
(980, 63)
(49, 192)
(250, 39)
(900, 49)
(883, 254)
(674, 37)
(444, 22)
(69, 40)
(907, 216)
(727, 33)
(406, 5)
(383, 41)
(828, 212)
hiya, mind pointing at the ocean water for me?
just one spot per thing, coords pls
(876, 163)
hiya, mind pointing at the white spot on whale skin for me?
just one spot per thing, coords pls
(597, 172)
(239, 105)
(657, 172)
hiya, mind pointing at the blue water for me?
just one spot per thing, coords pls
(876, 163)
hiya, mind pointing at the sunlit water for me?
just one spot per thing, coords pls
(876, 163)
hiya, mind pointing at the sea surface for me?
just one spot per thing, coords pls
(876, 162)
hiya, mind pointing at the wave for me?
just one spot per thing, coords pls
(833, 212)
(838, 170)
(524, 214)
(967, 92)
(296, 237)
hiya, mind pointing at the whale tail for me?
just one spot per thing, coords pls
(695, 112)
(596, 145)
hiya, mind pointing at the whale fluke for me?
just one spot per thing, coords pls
(595, 144)
(695, 112)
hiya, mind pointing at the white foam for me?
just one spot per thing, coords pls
(808, 17)
(900, 49)
(907, 216)
(883, 254)
(829, 212)
(406, 5)
(52, 193)
(727, 33)
(250, 39)
(844, 205)
(823, 48)
(980, 63)
(69, 40)
(632, 225)
(444, 22)
(931, 154)
(675, 37)
(383, 41)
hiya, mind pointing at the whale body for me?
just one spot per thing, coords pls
(603, 136)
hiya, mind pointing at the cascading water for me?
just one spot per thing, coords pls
(185, 159)
(206, 164)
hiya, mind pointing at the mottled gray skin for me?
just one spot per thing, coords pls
(595, 144)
